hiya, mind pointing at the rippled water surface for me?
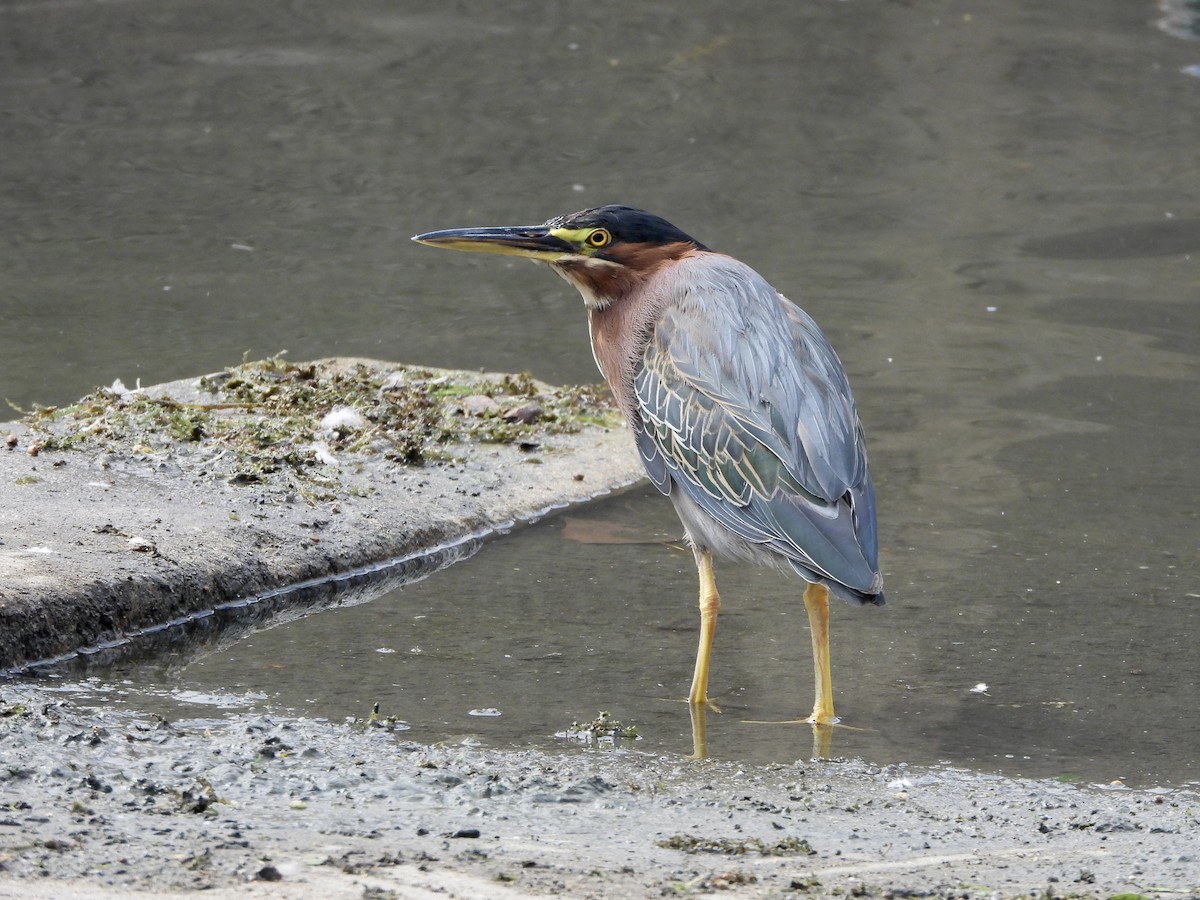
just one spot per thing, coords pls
(993, 211)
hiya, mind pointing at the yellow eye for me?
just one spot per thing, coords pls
(599, 238)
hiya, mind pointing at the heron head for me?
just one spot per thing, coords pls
(606, 251)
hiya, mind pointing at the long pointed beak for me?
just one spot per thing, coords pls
(531, 241)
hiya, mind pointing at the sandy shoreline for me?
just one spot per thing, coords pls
(98, 803)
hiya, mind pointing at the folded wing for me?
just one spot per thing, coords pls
(758, 426)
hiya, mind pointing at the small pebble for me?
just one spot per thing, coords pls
(479, 405)
(526, 414)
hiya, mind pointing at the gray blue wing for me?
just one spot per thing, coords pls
(756, 423)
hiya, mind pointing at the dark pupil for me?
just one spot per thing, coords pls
(599, 238)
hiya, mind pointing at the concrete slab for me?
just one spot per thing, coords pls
(128, 532)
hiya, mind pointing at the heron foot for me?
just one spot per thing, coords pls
(822, 719)
(704, 703)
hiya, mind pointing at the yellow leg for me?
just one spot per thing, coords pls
(700, 730)
(710, 603)
(816, 601)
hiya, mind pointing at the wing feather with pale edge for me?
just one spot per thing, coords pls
(756, 422)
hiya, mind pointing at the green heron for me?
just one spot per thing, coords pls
(739, 407)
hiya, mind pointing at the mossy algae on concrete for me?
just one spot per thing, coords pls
(273, 421)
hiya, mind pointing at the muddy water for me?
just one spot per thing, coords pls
(993, 212)
(596, 611)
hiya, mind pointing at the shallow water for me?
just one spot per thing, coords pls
(991, 212)
(595, 610)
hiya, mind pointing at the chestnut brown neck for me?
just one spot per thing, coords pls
(622, 320)
(612, 277)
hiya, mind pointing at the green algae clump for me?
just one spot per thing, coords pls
(272, 419)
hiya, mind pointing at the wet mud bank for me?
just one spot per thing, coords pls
(104, 803)
(134, 510)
